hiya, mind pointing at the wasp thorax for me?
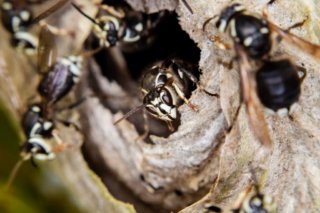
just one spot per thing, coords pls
(34, 123)
(247, 30)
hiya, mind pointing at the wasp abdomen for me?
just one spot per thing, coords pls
(278, 84)
(60, 79)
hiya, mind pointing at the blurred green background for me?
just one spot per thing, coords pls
(32, 190)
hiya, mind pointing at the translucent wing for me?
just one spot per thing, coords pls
(312, 49)
(49, 11)
(46, 50)
(253, 106)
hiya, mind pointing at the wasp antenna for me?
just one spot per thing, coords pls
(33, 162)
(49, 11)
(254, 178)
(13, 174)
(83, 13)
(207, 22)
(187, 6)
(128, 114)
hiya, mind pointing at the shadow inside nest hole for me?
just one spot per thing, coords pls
(126, 64)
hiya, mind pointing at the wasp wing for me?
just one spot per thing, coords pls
(250, 98)
(49, 11)
(46, 50)
(306, 46)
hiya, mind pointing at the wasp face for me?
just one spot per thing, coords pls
(227, 14)
(258, 204)
(161, 103)
(107, 30)
(15, 18)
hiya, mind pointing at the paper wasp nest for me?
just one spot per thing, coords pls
(173, 173)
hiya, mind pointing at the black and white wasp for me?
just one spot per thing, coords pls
(275, 83)
(119, 25)
(250, 200)
(17, 18)
(165, 87)
(39, 121)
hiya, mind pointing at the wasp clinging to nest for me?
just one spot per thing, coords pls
(17, 18)
(39, 121)
(119, 25)
(165, 87)
(276, 83)
(251, 200)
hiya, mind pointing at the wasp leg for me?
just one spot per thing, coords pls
(76, 104)
(116, 13)
(181, 95)
(56, 30)
(234, 119)
(187, 6)
(214, 38)
(145, 127)
(195, 80)
(56, 137)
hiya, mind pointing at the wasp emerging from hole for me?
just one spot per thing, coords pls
(17, 19)
(114, 25)
(276, 84)
(165, 87)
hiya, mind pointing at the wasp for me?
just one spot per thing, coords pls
(275, 84)
(250, 200)
(166, 86)
(118, 25)
(39, 121)
(17, 18)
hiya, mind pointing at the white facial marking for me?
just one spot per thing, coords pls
(139, 27)
(264, 30)
(25, 15)
(222, 26)
(16, 23)
(233, 28)
(257, 202)
(239, 8)
(47, 125)
(248, 41)
(6, 6)
(35, 109)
